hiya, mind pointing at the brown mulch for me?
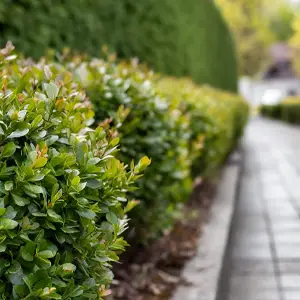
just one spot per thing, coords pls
(155, 270)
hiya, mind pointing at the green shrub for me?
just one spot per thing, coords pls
(176, 37)
(288, 110)
(217, 120)
(62, 189)
(272, 111)
(187, 132)
(148, 125)
(204, 126)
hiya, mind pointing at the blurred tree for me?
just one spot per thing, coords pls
(250, 24)
(294, 42)
(282, 21)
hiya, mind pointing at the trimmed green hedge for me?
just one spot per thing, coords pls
(217, 120)
(70, 166)
(62, 191)
(287, 111)
(146, 123)
(176, 37)
(204, 126)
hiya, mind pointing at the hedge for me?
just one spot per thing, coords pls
(175, 37)
(70, 166)
(151, 125)
(288, 110)
(61, 191)
(174, 143)
(217, 120)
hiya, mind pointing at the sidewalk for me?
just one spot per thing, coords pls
(265, 243)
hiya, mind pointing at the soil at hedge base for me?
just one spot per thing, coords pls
(155, 271)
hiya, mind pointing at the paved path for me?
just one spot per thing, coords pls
(265, 245)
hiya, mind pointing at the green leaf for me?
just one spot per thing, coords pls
(51, 140)
(2, 211)
(67, 269)
(18, 133)
(86, 213)
(46, 254)
(8, 185)
(47, 72)
(10, 213)
(43, 263)
(51, 90)
(20, 201)
(37, 280)
(70, 230)
(56, 196)
(37, 121)
(75, 181)
(93, 161)
(40, 162)
(112, 218)
(46, 249)
(14, 268)
(37, 177)
(76, 292)
(8, 224)
(34, 189)
(8, 150)
(143, 164)
(28, 251)
(15, 274)
(54, 217)
(130, 205)
(94, 183)
(20, 291)
(49, 293)
(114, 142)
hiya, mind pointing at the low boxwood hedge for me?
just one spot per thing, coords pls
(149, 125)
(186, 130)
(70, 166)
(62, 190)
(217, 120)
(287, 111)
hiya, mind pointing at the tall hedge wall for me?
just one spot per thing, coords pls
(182, 37)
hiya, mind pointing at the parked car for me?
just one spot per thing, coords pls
(273, 96)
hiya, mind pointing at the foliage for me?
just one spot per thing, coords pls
(67, 184)
(294, 41)
(282, 21)
(288, 110)
(62, 189)
(217, 119)
(126, 96)
(170, 35)
(148, 125)
(250, 24)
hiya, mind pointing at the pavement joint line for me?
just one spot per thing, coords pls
(272, 244)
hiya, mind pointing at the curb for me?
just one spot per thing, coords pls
(202, 274)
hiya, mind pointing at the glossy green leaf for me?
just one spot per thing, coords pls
(112, 218)
(20, 201)
(86, 213)
(94, 184)
(8, 150)
(8, 224)
(51, 90)
(28, 251)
